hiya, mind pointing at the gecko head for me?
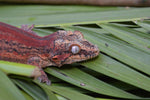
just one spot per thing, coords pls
(70, 47)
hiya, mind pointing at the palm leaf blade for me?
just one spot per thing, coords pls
(32, 90)
(79, 78)
(8, 91)
(145, 24)
(69, 94)
(68, 18)
(112, 68)
(136, 38)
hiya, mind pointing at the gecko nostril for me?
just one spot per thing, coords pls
(96, 51)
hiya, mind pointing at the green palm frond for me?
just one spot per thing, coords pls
(120, 71)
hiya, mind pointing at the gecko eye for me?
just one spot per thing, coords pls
(75, 49)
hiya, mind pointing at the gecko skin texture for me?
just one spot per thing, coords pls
(59, 48)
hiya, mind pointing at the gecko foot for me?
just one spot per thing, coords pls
(28, 29)
(36, 61)
(44, 79)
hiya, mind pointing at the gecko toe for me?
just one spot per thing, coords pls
(48, 82)
(40, 79)
(44, 79)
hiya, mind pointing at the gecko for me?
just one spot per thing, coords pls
(22, 45)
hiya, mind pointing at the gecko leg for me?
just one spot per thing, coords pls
(28, 29)
(36, 61)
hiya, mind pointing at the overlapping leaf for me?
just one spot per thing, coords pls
(8, 91)
(136, 38)
(83, 80)
(56, 16)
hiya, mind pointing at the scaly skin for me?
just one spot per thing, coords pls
(24, 46)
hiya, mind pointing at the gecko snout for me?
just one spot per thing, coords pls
(96, 52)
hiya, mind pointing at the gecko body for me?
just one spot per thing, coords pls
(59, 48)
